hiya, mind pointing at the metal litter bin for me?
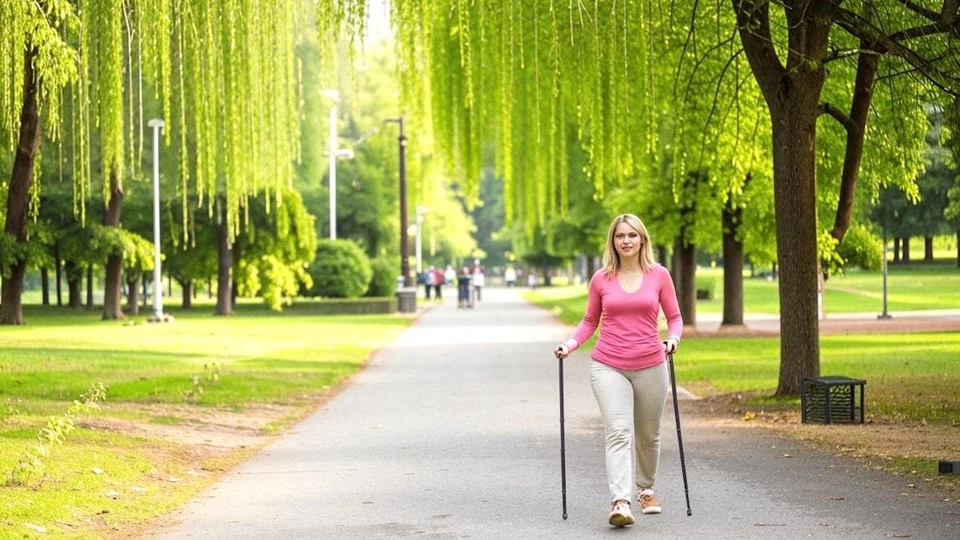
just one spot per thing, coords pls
(407, 300)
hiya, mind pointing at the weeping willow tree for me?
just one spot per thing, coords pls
(225, 78)
(520, 73)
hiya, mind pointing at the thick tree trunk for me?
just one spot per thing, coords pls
(732, 265)
(224, 265)
(187, 287)
(545, 270)
(905, 250)
(114, 269)
(927, 249)
(686, 286)
(18, 193)
(45, 286)
(74, 283)
(896, 250)
(133, 295)
(89, 286)
(794, 143)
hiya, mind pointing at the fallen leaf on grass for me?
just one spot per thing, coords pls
(112, 494)
(97, 470)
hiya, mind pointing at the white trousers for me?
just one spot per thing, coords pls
(631, 403)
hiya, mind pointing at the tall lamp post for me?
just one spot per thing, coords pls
(421, 210)
(885, 314)
(158, 315)
(404, 244)
(334, 153)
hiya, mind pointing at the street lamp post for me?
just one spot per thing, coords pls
(334, 95)
(885, 314)
(404, 243)
(421, 210)
(158, 315)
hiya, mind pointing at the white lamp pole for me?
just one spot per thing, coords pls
(334, 95)
(421, 210)
(157, 125)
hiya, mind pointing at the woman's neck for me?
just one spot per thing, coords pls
(630, 266)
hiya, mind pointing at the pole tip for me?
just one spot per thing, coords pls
(564, 516)
(689, 512)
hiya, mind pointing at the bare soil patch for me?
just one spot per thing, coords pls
(879, 443)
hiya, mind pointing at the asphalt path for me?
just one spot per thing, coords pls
(453, 432)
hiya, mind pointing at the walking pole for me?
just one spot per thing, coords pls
(676, 412)
(563, 458)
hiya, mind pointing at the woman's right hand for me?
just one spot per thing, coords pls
(562, 351)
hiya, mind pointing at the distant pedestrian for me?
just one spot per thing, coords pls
(510, 276)
(426, 279)
(449, 275)
(479, 278)
(629, 371)
(463, 288)
(437, 284)
(532, 279)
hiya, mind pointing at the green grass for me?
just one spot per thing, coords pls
(914, 287)
(910, 377)
(264, 358)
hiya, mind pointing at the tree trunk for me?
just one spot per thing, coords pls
(74, 283)
(45, 285)
(905, 251)
(686, 284)
(187, 288)
(732, 265)
(792, 93)
(928, 249)
(794, 143)
(896, 250)
(114, 270)
(224, 265)
(958, 246)
(18, 193)
(133, 295)
(89, 286)
(546, 275)
(56, 255)
(591, 267)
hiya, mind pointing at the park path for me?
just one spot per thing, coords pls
(452, 432)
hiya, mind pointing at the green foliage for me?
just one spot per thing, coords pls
(274, 250)
(33, 462)
(384, 279)
(861, 248)
(340, 270)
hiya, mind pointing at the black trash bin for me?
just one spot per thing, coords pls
(407, 300)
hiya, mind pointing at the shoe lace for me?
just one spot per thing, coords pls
(646, 498)
(621, 504)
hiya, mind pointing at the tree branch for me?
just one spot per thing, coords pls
(829, 109)
(753, 23)
(922, 11)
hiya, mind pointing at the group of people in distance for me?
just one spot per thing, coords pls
(469, 280)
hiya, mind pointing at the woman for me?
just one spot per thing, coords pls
(628, 373)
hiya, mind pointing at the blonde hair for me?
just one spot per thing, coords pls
(611, 258)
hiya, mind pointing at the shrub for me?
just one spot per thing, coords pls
(861, 248)
(385, 272)
(340, 270)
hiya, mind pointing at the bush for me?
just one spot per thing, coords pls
(385, 272)
(861, 248)
(340, 270)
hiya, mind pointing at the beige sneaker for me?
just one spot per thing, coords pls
(648, 502)
(620, 516)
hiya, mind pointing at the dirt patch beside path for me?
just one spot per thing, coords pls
(896, 447)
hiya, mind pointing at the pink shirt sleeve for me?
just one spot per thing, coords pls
(591, 318)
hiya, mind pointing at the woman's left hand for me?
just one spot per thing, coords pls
(670, 345)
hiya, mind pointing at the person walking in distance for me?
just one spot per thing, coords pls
(479, 279)
(628, 371)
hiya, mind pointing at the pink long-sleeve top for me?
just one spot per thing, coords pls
(629, 338)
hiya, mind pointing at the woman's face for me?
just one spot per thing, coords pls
(627, 241)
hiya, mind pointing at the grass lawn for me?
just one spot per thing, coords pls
(102, 481)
